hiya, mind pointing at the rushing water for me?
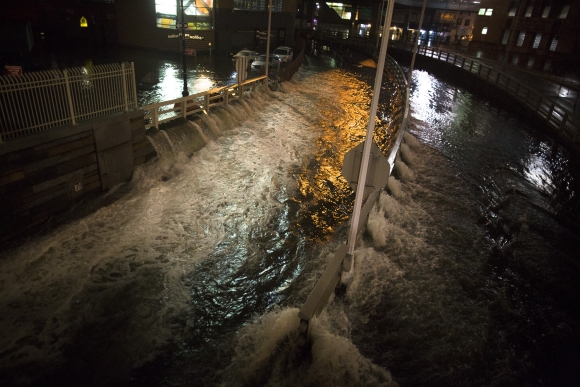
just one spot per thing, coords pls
(193, 272)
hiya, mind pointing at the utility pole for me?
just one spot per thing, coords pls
(268, 37)
(185, 92)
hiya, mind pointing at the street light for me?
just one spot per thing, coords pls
(185, 93)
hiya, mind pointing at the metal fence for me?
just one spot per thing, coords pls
(556, 115)
(38, 101)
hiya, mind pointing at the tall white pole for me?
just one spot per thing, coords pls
(268, 37)
(369, 135)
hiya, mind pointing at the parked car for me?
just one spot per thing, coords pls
(285, 53)
(251, 55)
(259, 63)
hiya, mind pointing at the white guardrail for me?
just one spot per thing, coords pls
(37, 101)
(162, 112)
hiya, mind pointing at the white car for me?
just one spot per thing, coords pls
(274, 61)
(285, 53)
(251, 55)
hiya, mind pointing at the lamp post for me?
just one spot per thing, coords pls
(185, 93)
(268, 37)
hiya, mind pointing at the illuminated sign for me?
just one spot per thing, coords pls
(84, 22)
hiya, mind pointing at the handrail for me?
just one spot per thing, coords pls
(555, 115)
(196, 103)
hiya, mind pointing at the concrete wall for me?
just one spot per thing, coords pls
(44, 174)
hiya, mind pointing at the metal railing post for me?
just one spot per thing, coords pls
(155, 117)
(69, 98)
(134, 86)
(124, 82)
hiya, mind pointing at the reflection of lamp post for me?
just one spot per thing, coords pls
(210, 49)
(268, 38)
(185, 93)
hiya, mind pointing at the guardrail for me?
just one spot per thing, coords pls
(341, 260)
(37, 101)
(162, 112)
(554, 114)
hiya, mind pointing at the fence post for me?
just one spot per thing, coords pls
(155, 117)
(134, 86)
(124, 87)
(69, 98)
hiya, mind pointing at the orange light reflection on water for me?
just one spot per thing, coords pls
(325, 196)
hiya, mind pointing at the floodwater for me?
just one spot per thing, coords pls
(193, 273)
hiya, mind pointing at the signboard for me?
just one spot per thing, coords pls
(186, 36)
(190, 51)
(181, 25)
(377, 171)
(84, 22)
(263, 35)
(13, 70)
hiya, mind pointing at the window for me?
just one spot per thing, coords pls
(512, 11)
(554, 43)
(166, 11)
(546, 12)
(564, 12)
(506, 36)
(459, 21)
(485, 11)
(484, 31)
(521, 38)
(467, 22)
(537, 40)
(257, 5)
(529, 11)
(530, 63)
(197, 13)
(343, 10)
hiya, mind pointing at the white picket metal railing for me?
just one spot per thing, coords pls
(162, 112)
(38, 101)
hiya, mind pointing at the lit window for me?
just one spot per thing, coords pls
(343, 10)
(521, 38)
(531, 63)
(197, 12)
(485, 11)
(546, 12)
(529, 11)
(537, 40)
(554, 44)
(257, 5)
(564, 12)
(484, 31)
(506, 36)
(481, 11)
(488, 12)
(512, 11)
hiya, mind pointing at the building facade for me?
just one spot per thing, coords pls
(537, 34)
(221, 25)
